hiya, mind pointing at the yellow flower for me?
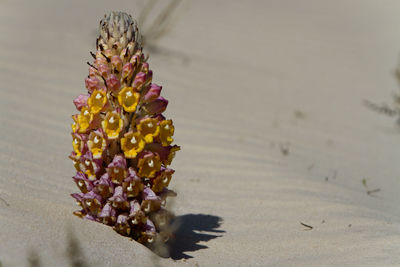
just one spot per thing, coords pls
(89, 169)
(171, 155)
(132, 143)
(74, 125)
(128, 99)
(117, 169)
(75, 159)
(77, 145)
(112, 125)
(162, 180)
(117, 174)
(148, 128)
(149, 165)
(96, 144)
(97, 101)
(166, 132)
(77, 165)
(85, 119)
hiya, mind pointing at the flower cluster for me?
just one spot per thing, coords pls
(121, 141)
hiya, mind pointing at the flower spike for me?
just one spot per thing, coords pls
(121, 142)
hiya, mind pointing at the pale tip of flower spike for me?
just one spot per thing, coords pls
(111, 120)
(98, 96)
(133, 140)
(96, 139)
(119, 26)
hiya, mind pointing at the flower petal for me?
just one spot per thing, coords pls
(157, 106)
(132, 184)
(128, 98)
(148, 128)
(166, 132)
(108, 215)
(97, 101)
(148, 164)
(82, 182)
(122, 225)
(104, 186)
(81, 101)
(132, 143)
(119, 199)
(112, 124)
(152, 94)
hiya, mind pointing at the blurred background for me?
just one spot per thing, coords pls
(281, 162)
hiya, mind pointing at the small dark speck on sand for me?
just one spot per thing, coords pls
(298, 114)
(309, 227)
(5, 202)
(369, 192)
(284, 148)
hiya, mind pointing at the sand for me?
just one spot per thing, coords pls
(267, 100)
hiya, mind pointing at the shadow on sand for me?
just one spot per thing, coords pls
(192, 229)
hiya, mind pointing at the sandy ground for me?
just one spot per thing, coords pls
(267, 99)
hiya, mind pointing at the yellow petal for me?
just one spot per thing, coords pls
(128, 99)
(149, 129)
(166, 132)
(112, 125)
(97, 101)
(84, 119)
(132, 143)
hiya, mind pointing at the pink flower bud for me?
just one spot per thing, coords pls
(118, 162)
(92, 83)
(157, 106)
(100, 61)
(153, 93)
(140, 78)
(127, 71)
(113, 83)
(116, 63)
(134, 60)
(145, 67)
(81, 101)
(104, 70)
(149, 77)
(93, 72)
